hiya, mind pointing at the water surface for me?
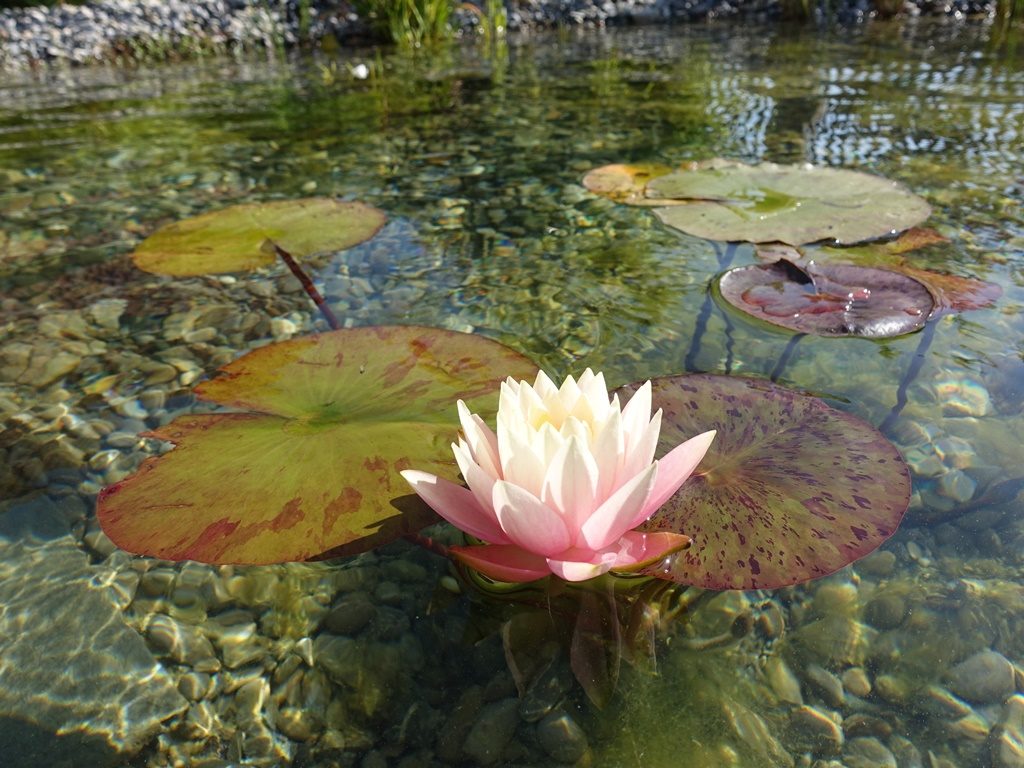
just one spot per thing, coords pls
(476, 155)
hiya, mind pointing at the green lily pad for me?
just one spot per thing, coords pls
(790, 489)
(791, 204)
(312, 462)
(828, 299)
(231, 239)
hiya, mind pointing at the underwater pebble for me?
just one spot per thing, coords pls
(885, 612)
(856, 681)
(492, 731)
(782, 681)
(352, 612)
(826, 685)
(867, 752)
(562, 739)
(814, 730)
(986, 677)
(1006, 747)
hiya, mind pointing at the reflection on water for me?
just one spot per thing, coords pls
(912, 657)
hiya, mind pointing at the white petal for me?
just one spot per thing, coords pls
(570, 484)
(520, 462)
(637, 414)
(638, 451)
(607, 448)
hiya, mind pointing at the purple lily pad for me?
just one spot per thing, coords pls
(790, 489)
(829, 299)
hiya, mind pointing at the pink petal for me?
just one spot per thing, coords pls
(639, 550)
(528, 522)
(503, 563)
(615, 516)
(483, 443)
(571, 482)
(480, 482)
(457, 505)
(673, 470)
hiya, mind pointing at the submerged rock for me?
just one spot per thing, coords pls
(111, 695)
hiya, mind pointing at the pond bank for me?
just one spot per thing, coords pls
(160, 29)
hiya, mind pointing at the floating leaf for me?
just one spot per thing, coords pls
(231, 239)
(954, 293)
(790, 489)
(828, 299)
(312, 463)
(626, 183)
(789, 204)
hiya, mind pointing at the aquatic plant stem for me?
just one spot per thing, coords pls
(916, 362)
(428, 543)
(787, 355)
(724, 260)
(308, 287)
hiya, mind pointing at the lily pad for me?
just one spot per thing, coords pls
(951, 293)
(829, 299)
(312, 461)
(791, 204)
(627, 183)
(231, 239)
(790, 489)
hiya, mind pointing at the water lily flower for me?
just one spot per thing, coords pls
(562, 484)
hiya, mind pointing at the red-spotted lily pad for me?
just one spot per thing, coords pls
(231, 240)
(828, 299)
(790, 489)
(311, 461)
(791, 204)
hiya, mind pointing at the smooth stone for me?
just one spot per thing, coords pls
(938, 701)
(783, 682)
(906, 754)
(492, 731)
(856, 681)
(826, 685)
(866, 752)
(454, 731)
(885, 612)
(108, 678)
(866, 725)
(1006, 742)
(811, 729)
(986, 677)
(561, 737)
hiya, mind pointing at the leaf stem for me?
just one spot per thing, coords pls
(307, 285)
(724, 260)
(427, 543)
(784, 359)
(916, 363)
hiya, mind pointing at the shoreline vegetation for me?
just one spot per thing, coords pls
(159, 30)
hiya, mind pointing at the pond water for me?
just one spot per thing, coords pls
(912, 657)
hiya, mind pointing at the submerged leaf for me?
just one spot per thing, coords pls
(792, 204)
(790, 489)
(232, 239)
(312, 463)
(828, 299)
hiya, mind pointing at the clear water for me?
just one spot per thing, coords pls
(477, 156)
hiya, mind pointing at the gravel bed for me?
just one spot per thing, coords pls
(157, 29)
